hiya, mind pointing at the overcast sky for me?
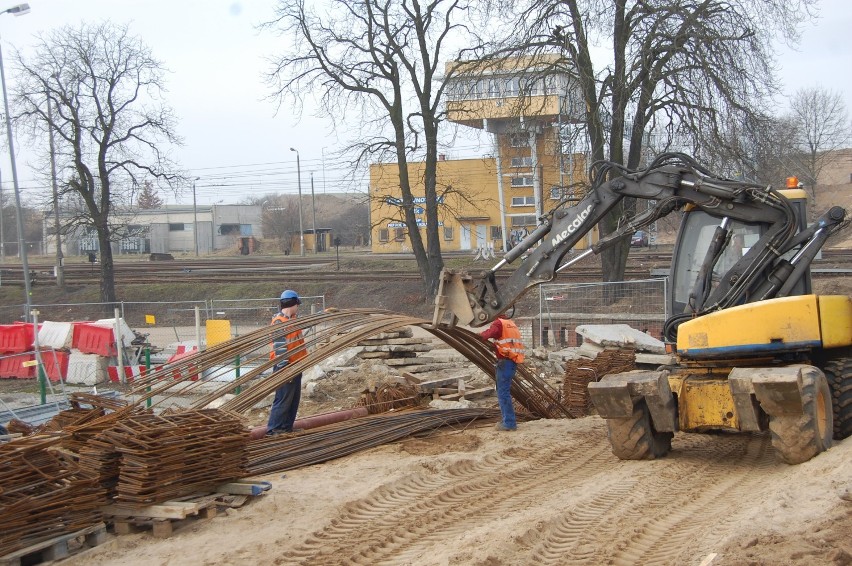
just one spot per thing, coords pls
(235, 140)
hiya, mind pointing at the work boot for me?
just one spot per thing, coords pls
(501, 426)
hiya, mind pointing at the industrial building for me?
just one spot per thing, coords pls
(204, 229)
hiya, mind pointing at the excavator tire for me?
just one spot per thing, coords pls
(634, 438)
(839, 375)
(798, 438)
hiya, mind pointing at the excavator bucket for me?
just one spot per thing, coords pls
(452, 298)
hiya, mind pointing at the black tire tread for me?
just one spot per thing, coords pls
(838, 372)
(796, 438)
(634, 438)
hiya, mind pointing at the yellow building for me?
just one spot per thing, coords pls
(491, 202)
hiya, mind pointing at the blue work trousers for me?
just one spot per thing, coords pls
(282, 415)
(505, 372)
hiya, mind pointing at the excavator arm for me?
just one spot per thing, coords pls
(673, 182)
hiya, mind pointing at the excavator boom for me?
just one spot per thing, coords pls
(672, 182)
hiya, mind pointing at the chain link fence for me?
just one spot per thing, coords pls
(640, 304)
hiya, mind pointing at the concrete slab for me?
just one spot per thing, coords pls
(620, 336)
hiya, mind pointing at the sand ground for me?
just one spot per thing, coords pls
(549, 493)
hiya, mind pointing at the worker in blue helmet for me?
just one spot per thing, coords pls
(288, 347)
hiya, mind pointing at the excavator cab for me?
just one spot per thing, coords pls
(695, 238)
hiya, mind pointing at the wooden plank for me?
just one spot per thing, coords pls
(424, 368)
(391, 341)
(411, 378)
(429, 385)
(470, 394)
(162, 528)
(168, 510)
(55, 548)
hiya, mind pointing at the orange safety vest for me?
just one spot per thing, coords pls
(509, 344)
(295, 340)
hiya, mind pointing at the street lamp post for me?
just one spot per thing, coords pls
(301, 230)
(195, 216)
(18, 10)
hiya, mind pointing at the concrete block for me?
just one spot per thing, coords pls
(86, 369)
(56, 335)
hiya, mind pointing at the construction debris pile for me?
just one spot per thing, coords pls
(402, 352)
(103, 453)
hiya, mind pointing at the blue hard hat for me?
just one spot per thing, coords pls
(288, 294)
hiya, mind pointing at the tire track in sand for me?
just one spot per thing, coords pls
(592, 526)
(688, 508)
(397, 523)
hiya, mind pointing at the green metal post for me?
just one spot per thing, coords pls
(237, 366)
(147, 371)
(42, 384)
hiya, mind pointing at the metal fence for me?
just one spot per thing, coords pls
(169, 321)
(562, 307)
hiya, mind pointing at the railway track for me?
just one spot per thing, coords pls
(641, 265)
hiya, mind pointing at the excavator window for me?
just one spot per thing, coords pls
(694, 238)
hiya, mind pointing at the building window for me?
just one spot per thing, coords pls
(177, 227)
(493, 88)
(523, 201)
(383, 235)
(448, 233)
(399, 234)
(496, 232)
(522, 161)
(555, 193)
(522, 220)
(510, 87)
(522, 181)
(229, 229)
(518, 140)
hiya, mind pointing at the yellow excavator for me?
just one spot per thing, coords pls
(755, 350)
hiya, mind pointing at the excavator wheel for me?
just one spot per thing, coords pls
(798, 438)
(839, 375)
(634, 438)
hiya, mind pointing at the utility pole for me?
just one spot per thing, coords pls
(195, 216)
(60, 269)
(301, 229)
(314, 212)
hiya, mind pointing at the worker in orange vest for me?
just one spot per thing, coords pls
(287, 348)
(510, 352)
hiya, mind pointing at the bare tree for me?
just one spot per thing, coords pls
(821, 126)
(383, 60)
(677, 67)
(111, 127)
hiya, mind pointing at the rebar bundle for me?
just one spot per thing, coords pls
(390, 396)
(286, 452)
(43, 493)
(163, 457)
(580, 372)
(325, 335)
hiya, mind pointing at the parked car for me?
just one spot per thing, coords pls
(639, 240)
